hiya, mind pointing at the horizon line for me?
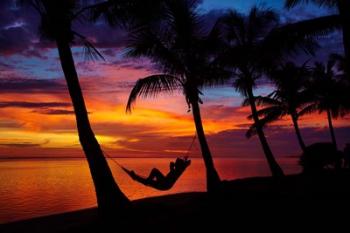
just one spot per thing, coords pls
(145, 157)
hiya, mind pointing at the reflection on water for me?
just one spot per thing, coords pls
(30, 188)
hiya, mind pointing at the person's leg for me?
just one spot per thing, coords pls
(155, 175)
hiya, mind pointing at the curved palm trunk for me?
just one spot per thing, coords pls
(344, 9)
(109, 196)
(274, 167)
(297, 131)
(329, 116)
(213, 179)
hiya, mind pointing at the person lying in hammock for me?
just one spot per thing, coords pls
(157, 179)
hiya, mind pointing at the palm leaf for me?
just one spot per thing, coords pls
(270, 115)
(234, 27)
(263, 100)
(300, 35)
(90, 51)
(245, 102)
(267, 100)
(182, 21)
(311, 108)
(143, 42)
(152, 86)
(251, 131)
(213, 75)
(292, 3)
(313, 27)
(260, 22)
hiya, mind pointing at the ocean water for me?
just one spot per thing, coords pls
(37, 187)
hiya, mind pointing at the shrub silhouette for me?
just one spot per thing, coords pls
(319, 157)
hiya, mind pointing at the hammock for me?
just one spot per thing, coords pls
(156, 179)
(159, 181)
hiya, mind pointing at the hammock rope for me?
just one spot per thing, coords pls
(122, 167)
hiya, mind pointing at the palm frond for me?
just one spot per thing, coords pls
(300, 36)
(213, 75)
(292, 3)
(313, 27)
(182, 20)
(152, 86)
(260, 22)
(90, 51)
(270, 115)
(234, 27)
(251, 131)
(311, 108)
(143, 42)
(245, 102)
(267, 100)
(264, 101)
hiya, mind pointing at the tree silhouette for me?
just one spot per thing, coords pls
(256, 43)
(244, 38)
(56, 25)
(327, 23)
(185, 54)
(328, 94)
(290, 96)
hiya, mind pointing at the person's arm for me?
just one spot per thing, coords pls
(172, 166)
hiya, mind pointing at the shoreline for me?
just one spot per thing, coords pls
(162, 211)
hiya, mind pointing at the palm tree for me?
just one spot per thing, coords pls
(256, 43)
(326, 23)
(327, 91)
(56, 25)
(290, 95)
(184, 55)
(245, 39)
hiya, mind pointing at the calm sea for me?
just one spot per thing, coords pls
(37, 187)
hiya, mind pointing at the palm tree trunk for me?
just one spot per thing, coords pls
(274, 167)
(109, 196)
(213, 179)
(297, 131)
(329, 116)
(344, 9)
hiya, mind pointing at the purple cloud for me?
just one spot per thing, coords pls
(56, 112)
(14, 40)
(47, 108)
(13, 85)
(18, 104)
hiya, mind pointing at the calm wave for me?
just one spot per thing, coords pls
(31, 188)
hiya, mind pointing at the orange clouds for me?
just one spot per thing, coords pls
(41, 123)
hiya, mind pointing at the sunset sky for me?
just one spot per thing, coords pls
(36, 117)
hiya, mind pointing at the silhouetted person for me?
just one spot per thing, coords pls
(347, 156)
(156, 175)
(158, 180)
